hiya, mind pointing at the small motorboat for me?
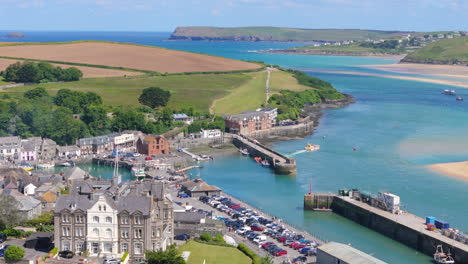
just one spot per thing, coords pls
(311, 147)
(47, 165)
(449, 92)
(441, 258)
(25, 166)
(258, 159)
(244, 152)
(64, 164)
(459, 98)
(265, 163)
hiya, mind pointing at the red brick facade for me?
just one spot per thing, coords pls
(153, 145)
(248, 123)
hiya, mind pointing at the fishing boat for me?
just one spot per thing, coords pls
(311, 147)
(459, 98)
(449, 92)
(46, 165)
(244, 152)
(138, 172)
(64, 164)
(441, 258)
(265, 163)
(258, 159)
(25, 166)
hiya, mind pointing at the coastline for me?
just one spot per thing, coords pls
(457, 170)
(463, 84)
(396, 56)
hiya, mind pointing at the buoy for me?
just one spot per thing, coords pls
(354, 149)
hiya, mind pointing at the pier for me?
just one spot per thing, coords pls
(404, 227)
(279, 162)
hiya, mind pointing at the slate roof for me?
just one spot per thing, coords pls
(188, 217)
(74, 174)
(67, 148)
(73, 202)
(27, 202)
(199, 185)
(348, 254)
(10, 141)
(132, 204)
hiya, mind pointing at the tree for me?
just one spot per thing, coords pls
(206, 237)
(14, 253)
(72, 74)
(11, 72)
(29, 73)
(154, 97)
(170, 256)
(128, 120)
(9, 214)
(166, 117)
(35, 93)
(95, 116)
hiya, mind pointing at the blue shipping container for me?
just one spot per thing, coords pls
(430, 220)
(441, 224)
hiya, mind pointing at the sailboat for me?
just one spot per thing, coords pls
(441, 258)
(116, 178)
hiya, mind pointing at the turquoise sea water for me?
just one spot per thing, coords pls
(397, 127)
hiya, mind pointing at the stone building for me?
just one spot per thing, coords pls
(108, 220)
(198, 187)
(248, 123)
(10, 148)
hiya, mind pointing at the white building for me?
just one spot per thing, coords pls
(10, 148)
(123, 142)
(212, 133)
(30, 189)
(102, 230)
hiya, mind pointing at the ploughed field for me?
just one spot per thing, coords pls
(125, 56)
(88, 72)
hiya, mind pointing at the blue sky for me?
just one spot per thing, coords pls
(165, 15)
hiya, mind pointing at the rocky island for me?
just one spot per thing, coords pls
(15, 35)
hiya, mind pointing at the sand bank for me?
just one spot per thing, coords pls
(450, 71)
(454, 169)
(410, 78)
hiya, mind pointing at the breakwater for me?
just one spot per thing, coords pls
(405, 228)
(279, 162)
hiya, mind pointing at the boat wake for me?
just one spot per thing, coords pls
(296, 153)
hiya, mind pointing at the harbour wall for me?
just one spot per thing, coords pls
(403, 229)
(305, 128)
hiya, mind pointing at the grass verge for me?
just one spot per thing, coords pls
(213, 254)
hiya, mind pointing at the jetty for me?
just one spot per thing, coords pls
(401, 226)
(280, 163)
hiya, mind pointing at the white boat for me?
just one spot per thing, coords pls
(244, 152)
(459, 98)
(265, 163)
(138, 172)
(46, 165)
(311, 147)
(449, 92)
(441, 258)
(64, 164)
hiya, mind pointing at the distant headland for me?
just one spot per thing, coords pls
(15, 35)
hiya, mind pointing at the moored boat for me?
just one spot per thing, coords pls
(459, 98)
(265, 163)
(138, 172)
(64, 164)
(46, 165)
(442, 258)
(448, 92)
(25, 166)
(244, 152)
(258, 159)
(311, 147)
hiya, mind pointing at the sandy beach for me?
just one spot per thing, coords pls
(458, 83)
(454, 169)
(448, 71)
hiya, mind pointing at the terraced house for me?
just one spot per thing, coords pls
(109, 220)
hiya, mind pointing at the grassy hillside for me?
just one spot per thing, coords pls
(445, 51)
(278, 34)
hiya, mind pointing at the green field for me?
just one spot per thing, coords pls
(445, 51)
(280, 34)
(3, 82)
(197, 91)
(281, 80)
(213, 254)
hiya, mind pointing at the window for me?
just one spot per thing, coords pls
(96, 219)
(124, 247)
(124, 220)
(79, 231)
(138, 248)
(108, 232)
(79, 246)
(158, 232)
(125, 233)
(79, 219)
(65, 219)
(66, 231)
(138, 233)
(96, 232)
(109, 219)
(100, 209)
(66, 245)
(108, 247)
(153, 232)
(104, 208)
(137, 219)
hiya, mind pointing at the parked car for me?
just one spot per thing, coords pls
(300, 259)
(3, 238)
(66, 254)
(280, 252)
(2, 251)
(111, 261)
(182, 237)
(148, 158)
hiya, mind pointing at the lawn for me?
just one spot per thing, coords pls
(197, 91)
(213, 254)
(3, 82)
(249, 95)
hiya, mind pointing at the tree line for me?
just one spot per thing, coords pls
(41, 72)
